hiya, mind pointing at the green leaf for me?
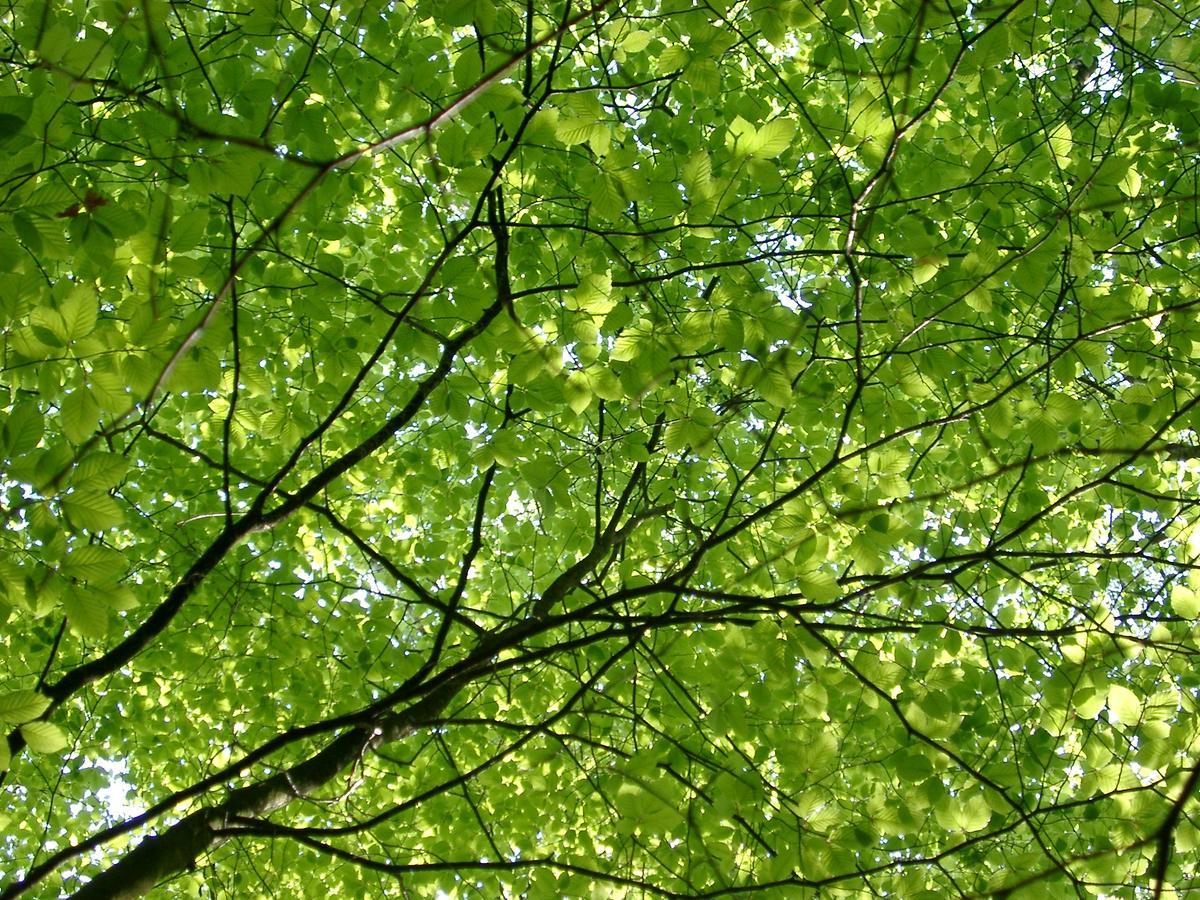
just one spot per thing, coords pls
(686, 433)
(80, 415)
(525, 367)
(107, 388)
(772, 139)
(775, 388)
(94, 563)
(10, 125)
(1185, 602)
(765, 142)
(696, 175)
(968, 815)
(92, 509)
(594, 294)
(926, 267)
(22, 706)
(1124, 704)
(87, 612)
(606, 385)
(636, 41)
(574, 130)
(15, 112)
(628, 346)
(1131, 184)
(1061, 143)
(23, 428)
(1089, 704)
(576, 392)
(914, 767)
(188, 230)
(79, 313)
(44, 737)
(100, 471)
(819, 586)
(98, 244)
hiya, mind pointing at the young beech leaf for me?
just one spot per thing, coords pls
(23, 429)
(773, 138)
(79, 415)
(775, 388)
(79, 313)
(10, 125)
(1124, 704)
(100, 471)
(93, 510)
(44, 737)
(93, 563)
(86, 611)
(926, 267)
(22, 706)
(576, 392)
(636, 41)
(1185, 602)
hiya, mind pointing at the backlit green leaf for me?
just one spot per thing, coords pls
(1185, 601)
(1124, 704)
(92, 509)
(44, 737)
(22, 706)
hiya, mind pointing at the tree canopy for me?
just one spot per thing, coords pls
(660, 448)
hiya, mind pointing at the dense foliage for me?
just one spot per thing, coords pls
(663, 448)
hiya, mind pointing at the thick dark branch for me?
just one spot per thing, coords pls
(178, 848)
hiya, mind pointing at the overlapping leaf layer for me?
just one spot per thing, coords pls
(462, 448)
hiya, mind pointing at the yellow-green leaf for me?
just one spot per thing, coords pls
(1131, 184)
(44, 737)
(93, 563)
(1124, 704)
(79, 312)
(773, 138)
(776, 389)
(1185, 602)
(636, 41)
(593, 295)
(79, 415)
(86, 611)
(22, 706)
(576, 392)
(93, 510)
